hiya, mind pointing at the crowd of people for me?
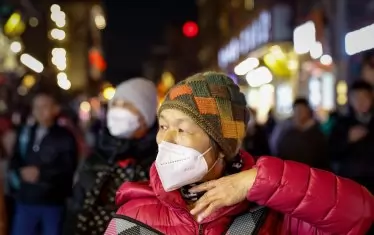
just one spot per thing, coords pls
(194, 165)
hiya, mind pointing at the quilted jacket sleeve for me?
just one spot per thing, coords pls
(330, 203)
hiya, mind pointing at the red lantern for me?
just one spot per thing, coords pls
(97, 60)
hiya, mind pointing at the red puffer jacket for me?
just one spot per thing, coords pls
(307, 201)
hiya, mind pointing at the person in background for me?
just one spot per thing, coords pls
(256, 139)
(6, 137)
(201, 181)
(68, 123)
(43, 170)
(367, 69)
(300, 138)
(270, 123)
(352, 139)
(22, 123)
(125, 151)
(3, 215)
(329, 124)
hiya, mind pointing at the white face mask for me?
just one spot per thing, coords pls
(178, 166)
(122, 123)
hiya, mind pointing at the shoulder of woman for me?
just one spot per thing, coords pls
(133, 190)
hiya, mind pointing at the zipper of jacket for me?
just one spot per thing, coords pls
(201, 229)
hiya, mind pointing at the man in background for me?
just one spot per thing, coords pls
(43, 171)
(367, 69)
(300, 138)
(352, 138)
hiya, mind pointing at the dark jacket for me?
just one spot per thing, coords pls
(256, 142)
(56, 160)
(113, 162)
(355, 160)
(307, 146)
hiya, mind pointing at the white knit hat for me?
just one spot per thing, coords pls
(142, 94)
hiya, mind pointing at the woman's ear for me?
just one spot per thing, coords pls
(239, 146)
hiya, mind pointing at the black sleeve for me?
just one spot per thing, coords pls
(87, 174)
(264, 142)
(65, 165)
(15, 164)
(323, 157)
(15, 160)
(338, 140)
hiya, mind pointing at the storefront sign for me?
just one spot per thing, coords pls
(251, 37)
(359, 40)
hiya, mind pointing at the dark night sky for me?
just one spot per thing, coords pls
(133, 26)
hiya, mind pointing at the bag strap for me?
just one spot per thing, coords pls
(121, 224)
(249, 222)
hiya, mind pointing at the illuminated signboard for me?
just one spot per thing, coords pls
(256, 34)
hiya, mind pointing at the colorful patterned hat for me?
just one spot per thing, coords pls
(216, 104)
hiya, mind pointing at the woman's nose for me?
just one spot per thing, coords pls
(170, 136)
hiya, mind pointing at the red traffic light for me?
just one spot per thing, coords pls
(190, 29)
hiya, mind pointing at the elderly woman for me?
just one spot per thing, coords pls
(202, 123)
(125, 151)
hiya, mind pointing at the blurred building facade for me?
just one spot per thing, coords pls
(278, 50)
(245, 42)
(182, 55)
(83, 60)
(360, 14)
(173, 60)
(64, 38)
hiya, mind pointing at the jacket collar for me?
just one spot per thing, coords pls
(143, 149)
(174, 199)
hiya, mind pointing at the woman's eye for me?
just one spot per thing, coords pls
(163, 127)
(181, 130)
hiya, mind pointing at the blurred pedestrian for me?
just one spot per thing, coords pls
(3, 215)
(352, 139)
(68, 123)
(42, 171)
(256, 139)
(270, 123)
(300, 138)
(125, 151)
(330, 123)
(367, 69)
(20, 122)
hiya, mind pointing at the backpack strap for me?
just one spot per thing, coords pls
(249, 222)
(124, 225)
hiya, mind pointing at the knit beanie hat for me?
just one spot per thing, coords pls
(216, 104)
(142, 94)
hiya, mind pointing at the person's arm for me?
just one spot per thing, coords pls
(339, 145)
(8, 142)
(274, 138)
(264, 143)
(15, 164)
(332, 204)
(322, 158)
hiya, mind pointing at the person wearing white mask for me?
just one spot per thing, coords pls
(124, 152)
(201, 182)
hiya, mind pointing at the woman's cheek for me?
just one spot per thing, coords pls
(159, 137)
